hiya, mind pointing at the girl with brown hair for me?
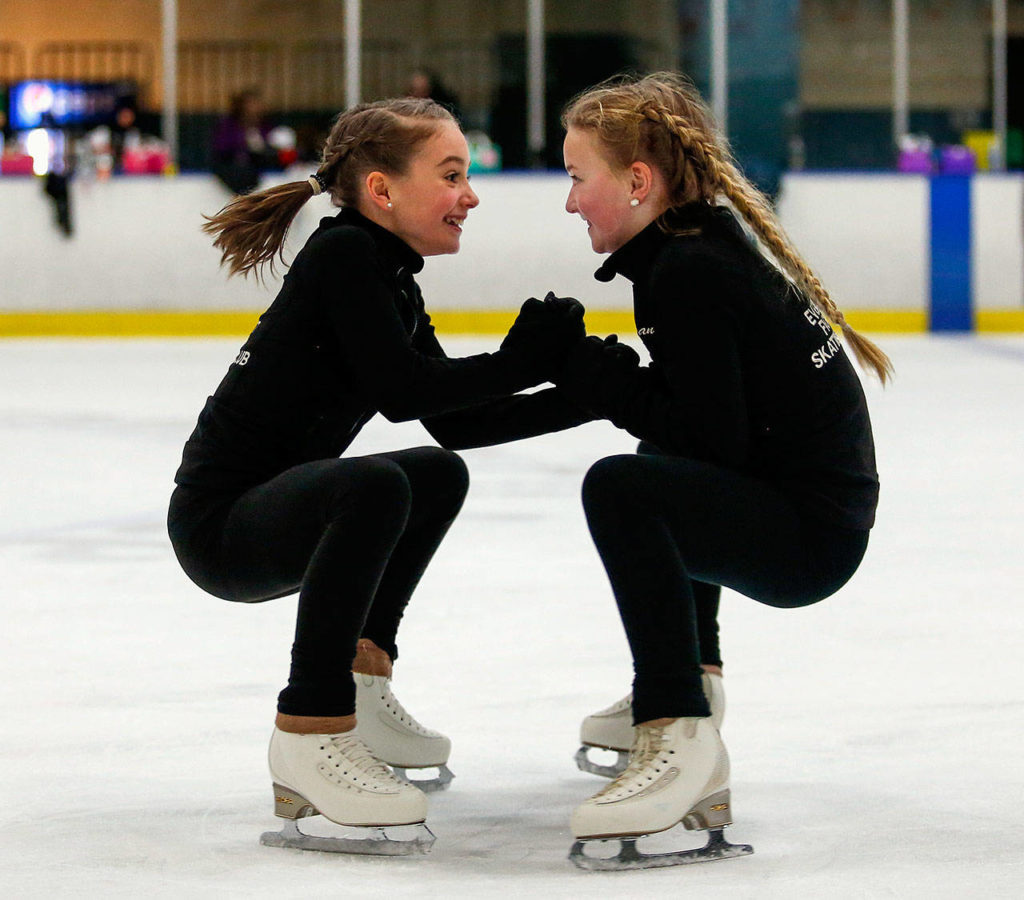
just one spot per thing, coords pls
(756, 468)
(265, 507)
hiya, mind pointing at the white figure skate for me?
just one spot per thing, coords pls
(612, 728)
(338, 777)
(396, 738)
(676, 773)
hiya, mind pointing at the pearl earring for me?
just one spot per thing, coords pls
(390, 204)
(634, 202)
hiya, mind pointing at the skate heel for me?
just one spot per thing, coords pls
(290, 805)
(714, 811)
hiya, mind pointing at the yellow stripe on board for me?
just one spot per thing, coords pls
(117, 323)
(238, 323)
(111, 323)
(887, 321)
(481, 321)
(999, 320)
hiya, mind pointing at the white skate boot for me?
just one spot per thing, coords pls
(395, 737)
(676, 773)
(338, 777)
(612, 728)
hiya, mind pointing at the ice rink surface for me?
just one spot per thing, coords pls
(876, 738)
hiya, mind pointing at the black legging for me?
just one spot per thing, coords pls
(706, 599)
(353, 536)
(662, 523)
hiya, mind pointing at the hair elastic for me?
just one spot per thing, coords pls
(318, 183)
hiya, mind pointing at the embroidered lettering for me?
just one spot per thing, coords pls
(816, 318)
(826, 351)
(832, 346)
(242, 358)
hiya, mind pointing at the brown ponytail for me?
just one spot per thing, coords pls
(385, 135)
(662, 120)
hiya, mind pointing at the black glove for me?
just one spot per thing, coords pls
(544, 332)
(569, 307)
(625, 354)
(596, 371)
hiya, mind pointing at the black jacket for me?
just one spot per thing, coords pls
(346, 337)
(744, 373)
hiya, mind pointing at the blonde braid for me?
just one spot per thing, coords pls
(715, 174)
(697, 175)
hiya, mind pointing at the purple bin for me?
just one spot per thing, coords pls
(915, 160)
(956, 160)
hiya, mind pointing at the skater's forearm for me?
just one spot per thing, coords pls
(506, 419)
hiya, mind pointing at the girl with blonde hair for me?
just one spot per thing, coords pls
(756, 468)
(265, 507)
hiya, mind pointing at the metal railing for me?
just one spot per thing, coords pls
(95, 61)
(12, 62)
(210, 72)
(297, 75)
(311, 74)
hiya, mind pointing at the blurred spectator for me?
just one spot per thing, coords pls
(424, 83)
(123, 133)
(60, 169)
(6, 132)
(133, 147)
(240, 148)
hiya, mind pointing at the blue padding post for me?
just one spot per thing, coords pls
(951, 253)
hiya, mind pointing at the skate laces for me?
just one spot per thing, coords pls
(359, 756)
(647, 745)
(391, 703)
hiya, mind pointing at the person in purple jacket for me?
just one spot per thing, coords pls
(240, 152)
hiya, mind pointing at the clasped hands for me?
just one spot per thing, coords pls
(550, 333)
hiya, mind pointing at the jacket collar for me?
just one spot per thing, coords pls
(390, 244)
(634, 258)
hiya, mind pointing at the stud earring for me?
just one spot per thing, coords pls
(390, 204)
(634, 202)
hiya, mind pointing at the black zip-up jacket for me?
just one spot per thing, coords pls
(744, 373)
(346, 337)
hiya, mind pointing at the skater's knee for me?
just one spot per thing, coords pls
(378, 485)
(609, 478)
(452, 481)
(439, 480)
(448, 471)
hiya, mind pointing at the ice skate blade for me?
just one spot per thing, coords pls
(585, 764)
(377, 843)
(629, 857)
(428, 785)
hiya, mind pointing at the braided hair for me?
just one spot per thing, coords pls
(661, 119)
(381, 136)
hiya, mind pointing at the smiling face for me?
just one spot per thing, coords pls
(431, 200)
(599, 194)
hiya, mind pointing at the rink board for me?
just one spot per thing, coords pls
(139, 265)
